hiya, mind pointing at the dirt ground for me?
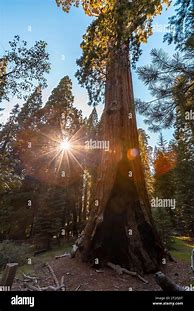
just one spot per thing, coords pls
(80, 276)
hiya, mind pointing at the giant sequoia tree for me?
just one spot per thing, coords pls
(120, 227)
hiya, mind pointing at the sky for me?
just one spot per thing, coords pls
(35, 20)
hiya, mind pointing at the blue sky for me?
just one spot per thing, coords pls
(35, 20)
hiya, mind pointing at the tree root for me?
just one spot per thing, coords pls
(121, 270)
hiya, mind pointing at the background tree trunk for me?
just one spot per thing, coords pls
(120, 227)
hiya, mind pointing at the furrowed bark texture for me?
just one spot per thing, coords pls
(120, 227)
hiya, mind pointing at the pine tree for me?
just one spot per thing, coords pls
(48, 218)
(181, 24)
(91, 123)
(184, 181)
(9, 177)
(15, 135)
(28, 115)
(46, 183)
(7, 133)
(58, 120)
(164, 188)
(146, 157)
(170, 81)
(164, 164)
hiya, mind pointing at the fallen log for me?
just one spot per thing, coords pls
(166, 284)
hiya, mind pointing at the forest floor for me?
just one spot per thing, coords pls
(82, 277)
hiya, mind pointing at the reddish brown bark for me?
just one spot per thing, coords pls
(120, 202)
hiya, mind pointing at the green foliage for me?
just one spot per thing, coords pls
(55, 205)
(181, 24)
(170, 81)
(164, 163)
(146, 157)
(9, 179)
(163, 224)
(21, 67)
(12, 252)
(59, 112)
(14, 137)
(28, 115)
(173, 166)
(120, 25)
(184, 180)
(48, 219)
(7, 133)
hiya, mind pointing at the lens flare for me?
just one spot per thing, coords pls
(132, 154)
(65, 145)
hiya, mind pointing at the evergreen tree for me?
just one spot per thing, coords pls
(91, 123)
(164, 225)
(15, 136)
(184, 180)
(146, 156)
(9, 177)
(164, 164)
(164, 188)
(47, 182)
(181, 24)
(28, 115)
(7, 133)
(58, 169)
(171, 83)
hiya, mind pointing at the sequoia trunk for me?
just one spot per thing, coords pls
(120, 227)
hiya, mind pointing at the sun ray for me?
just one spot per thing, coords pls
(60, 160)
(76, 160)
(63, 151)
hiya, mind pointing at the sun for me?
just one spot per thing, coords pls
(66, 149)
(65, 145)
